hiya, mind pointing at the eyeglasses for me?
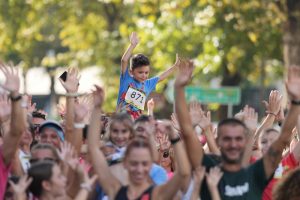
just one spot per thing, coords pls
(34, 160)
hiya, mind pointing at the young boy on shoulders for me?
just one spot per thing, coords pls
(135, 86)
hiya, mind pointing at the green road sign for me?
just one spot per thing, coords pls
(224, 95)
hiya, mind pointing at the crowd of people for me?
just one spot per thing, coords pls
(130, 155)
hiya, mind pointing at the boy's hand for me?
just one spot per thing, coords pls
(184, 75)
(134, 40)
(177, 61)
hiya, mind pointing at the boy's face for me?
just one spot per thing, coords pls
(141, 73)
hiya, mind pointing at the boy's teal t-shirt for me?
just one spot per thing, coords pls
(126, 81)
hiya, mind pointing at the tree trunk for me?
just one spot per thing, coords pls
(291, 34)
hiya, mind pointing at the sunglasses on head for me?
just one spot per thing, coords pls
(34, 160)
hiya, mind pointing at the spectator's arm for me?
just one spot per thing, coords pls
(250, 119)
(272, 158)
(273, 108)
(17, 122)
(183, 170)
(71, 86)
(198, 176)
(81, 110)
(107, 181)
(193, 146)
(296, 150)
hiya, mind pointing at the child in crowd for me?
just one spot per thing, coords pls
(135, 86)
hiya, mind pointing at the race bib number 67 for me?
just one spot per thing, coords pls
(136, 98)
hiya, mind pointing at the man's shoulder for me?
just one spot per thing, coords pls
(211, 160)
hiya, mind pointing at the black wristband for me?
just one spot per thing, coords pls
(175, 140)
(16, 98)
(295, 102)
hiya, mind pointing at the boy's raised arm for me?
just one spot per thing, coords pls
(169, 71)
(134, 40)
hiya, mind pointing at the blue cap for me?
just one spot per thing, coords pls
(54, 125)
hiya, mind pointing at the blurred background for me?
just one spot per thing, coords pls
(246, 44)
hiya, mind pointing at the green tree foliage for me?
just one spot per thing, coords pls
(231, 39)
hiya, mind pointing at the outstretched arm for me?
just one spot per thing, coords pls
(272, 158)
(193, 146)
(183, 168)
(273, 108)
(17, 122)
(250, 119)
(169, 71)
(106, 179)
(71, 86)
(134, 40)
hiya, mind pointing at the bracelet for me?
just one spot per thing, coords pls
(294, 102)
(73, 94)
(16, 98)
(79, 125)
(271, 113)
(175, 140)
(86, 187)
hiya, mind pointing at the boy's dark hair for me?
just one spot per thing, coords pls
(40, 171)
(139, 60)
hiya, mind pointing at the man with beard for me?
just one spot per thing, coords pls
(237, 182)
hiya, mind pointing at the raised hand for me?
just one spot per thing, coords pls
(214, 176)
(67, 154)
(72, 82)
(239, 115)
(134, 40)
(5, 108)
(98, 95)
(30, 106)
(293, 83)
(196, 112)
(81, 111)
(164, 143)
(250, 118)
(61, 109)
(205, 121)
(184, 75)
(150, 104)
(274, 104)
(12, 80)
(21, 187)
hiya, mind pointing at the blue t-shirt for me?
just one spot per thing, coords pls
(127, 80)
(158, 174)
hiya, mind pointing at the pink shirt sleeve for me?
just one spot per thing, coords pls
(4, 172)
